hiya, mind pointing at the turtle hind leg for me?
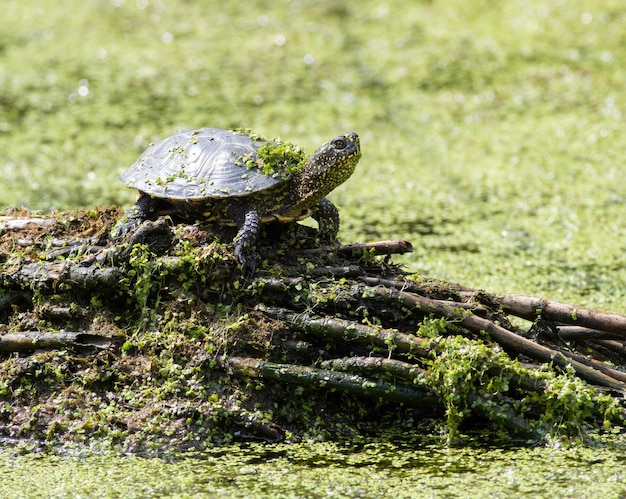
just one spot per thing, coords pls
(327, 217)
(143, 209)
(249, 223)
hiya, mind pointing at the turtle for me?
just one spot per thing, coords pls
(215, 175)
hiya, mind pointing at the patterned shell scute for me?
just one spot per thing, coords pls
(199, 164)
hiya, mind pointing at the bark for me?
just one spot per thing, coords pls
(28, 341)
(531, 308)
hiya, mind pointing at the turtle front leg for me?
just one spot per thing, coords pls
(249, 223)
(142, 210)
(327, 217)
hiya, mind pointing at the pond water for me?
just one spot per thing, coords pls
(322, 470)
(492, 139)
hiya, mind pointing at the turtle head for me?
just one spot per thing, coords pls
(330, 166)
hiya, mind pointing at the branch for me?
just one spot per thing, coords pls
(12, 223)
(530, 308)
(38, 275)
(345, 330)
(393, 247)
(500, 410)
(327, 379)
(574, 333)
(26, 341)
(499, 334)
(377, 365)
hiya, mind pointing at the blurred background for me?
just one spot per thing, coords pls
(492, 132)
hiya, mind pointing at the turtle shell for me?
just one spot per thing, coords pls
(206, 163)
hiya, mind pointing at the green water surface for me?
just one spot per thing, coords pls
(492, 136)
(320, 470)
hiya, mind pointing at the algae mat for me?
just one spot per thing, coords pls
(493, 134)
(323, 470)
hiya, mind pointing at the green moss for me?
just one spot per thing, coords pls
(279, 158)
(275, 157)
(471, 377)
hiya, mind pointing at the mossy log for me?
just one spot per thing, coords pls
(162, 340)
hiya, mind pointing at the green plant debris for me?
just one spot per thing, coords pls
(471, 377)
(275, 157)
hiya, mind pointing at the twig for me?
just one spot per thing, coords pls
(530, 308)
(343, 271)
(26, 341)
(327, 379)
(573, 333)
(615, 346)
(608, 370)
(344, 330)
(393, 247)
(12, 223)
(501, 335)
(38, 275)
(377, 365)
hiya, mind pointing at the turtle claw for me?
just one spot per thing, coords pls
(124, 227)
(249, 267)
(247, 260)
(133, 217)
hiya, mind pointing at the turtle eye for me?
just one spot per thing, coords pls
(340, 143)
